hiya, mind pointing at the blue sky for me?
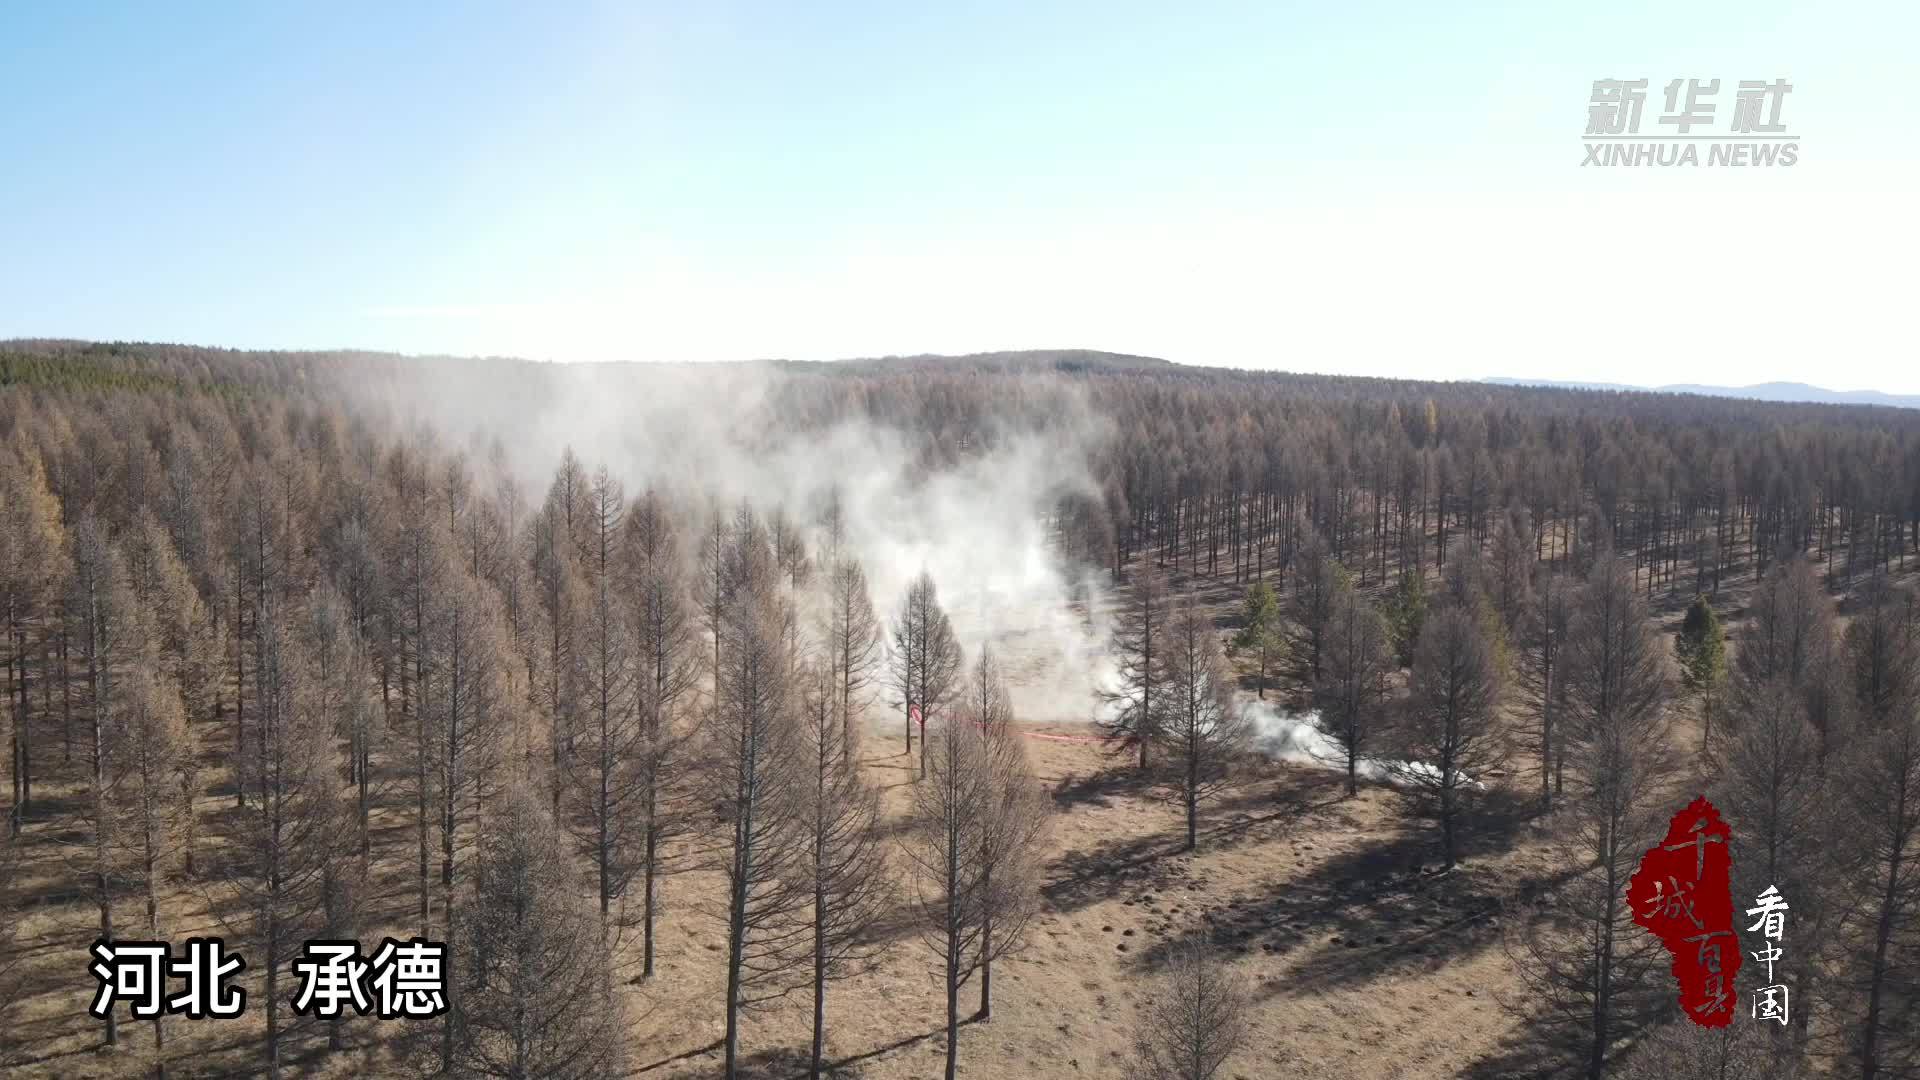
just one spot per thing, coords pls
(1384, 188)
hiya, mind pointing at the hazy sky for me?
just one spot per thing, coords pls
(1380, 188)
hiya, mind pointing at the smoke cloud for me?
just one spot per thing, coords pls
(714, 433)
(1299, 738)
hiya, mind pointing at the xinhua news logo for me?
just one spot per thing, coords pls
(1686, 131)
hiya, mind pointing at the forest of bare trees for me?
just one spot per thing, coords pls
(296, 649)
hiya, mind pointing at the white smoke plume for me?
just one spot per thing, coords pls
(1298, 738)
(981, 527)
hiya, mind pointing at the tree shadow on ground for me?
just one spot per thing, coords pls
(1102, 787)
(1082, 879)
(685, 1055)
(1253, 814)
(410, 1045)
(48, 809)
(791, 1063)
(1291, 794)
(1529, 1052)
(1370, 912)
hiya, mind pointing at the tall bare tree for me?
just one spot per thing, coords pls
(1880, 814)
(1351, 692)
(425, 571)
(1539, 678)
(947, 820)
(1193, 1021)
(667, 668)
(755, 752)
(789, 548)
(286, 836)
(925, 666)
(832, 520)
(1883, 651)
(1581, 959)
(1316, 589)
(845, 865)
(145, 795)
(342, 688)
(259, 559)
(556, 573)
(604, 786)
(971, 844)
(713, 585)
(101, 612)
(854, 646)
(1007, 856)
(1203, 732)
(466, 696)
(181, 642)
(345, 890)
(1136, 700)
(1873, 804)
(1509, 567)
(1781, 809)
(1449, 730)
(536, 998)
(1791, 637)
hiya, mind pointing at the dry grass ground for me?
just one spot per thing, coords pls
(1363, 959)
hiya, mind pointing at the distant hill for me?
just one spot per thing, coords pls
(1769, 391)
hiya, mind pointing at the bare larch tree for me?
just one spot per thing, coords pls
(603, 786)
(1202, 731)
(1781, 809)
(1581, 959)
(948, 817)
(537, 996)
(972, 842)
(99, 607)
(149, 745)
(1538, 677)
(1193, 1021)
(854, 646)
(1351, 692)
(1449, 730)
(754, 752)
(1791, 637)
(667, 658)
(925, 666)
(1007, 857)
(285, 835)
(343, 682)
(1136, 700)
(1310, 608)
(467, 702)
(557, 576)
(845, 866)
(183, 645)
(1880, 827)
